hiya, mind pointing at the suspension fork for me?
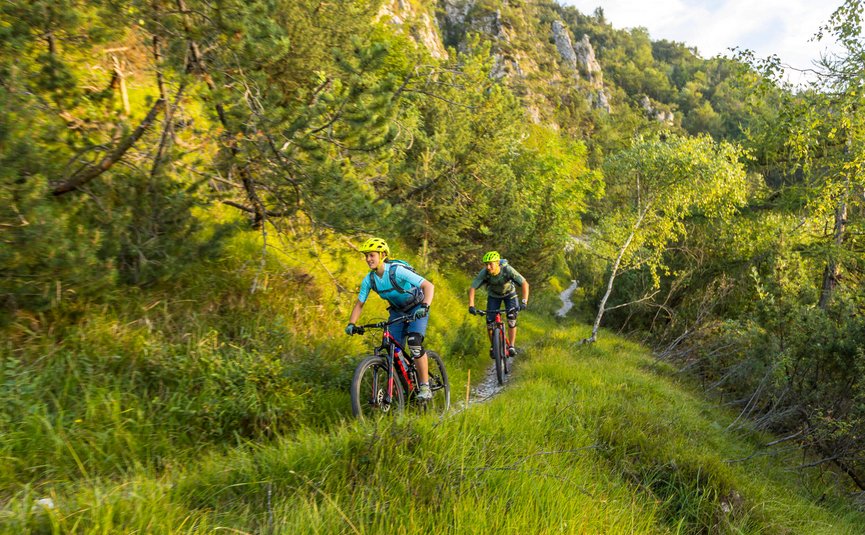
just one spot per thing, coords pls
(388, 395)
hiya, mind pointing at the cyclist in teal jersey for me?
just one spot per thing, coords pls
(501, 279)
(407, 293)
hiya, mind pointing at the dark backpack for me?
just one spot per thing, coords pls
(391, 267)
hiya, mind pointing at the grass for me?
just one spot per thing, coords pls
(201, 407)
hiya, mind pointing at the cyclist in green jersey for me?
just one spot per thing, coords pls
(501, 279)
(407, 294)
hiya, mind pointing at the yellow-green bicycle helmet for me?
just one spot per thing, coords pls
(492, 256)
(375, 245)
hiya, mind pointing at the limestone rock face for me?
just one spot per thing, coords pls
(581, 58)
(505, 66)
(456, 11)
(427, 34)
(603, 101)
(520, 60)
(419, 25)
(489, 24)
(589, 66)
(662, 116)
(563, 44)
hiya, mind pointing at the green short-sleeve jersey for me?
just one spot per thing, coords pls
(501, 285)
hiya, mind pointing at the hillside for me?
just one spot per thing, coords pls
(183, 186)
(205, 407)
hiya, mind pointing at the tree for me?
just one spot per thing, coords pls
(659, 183)
(477, 176)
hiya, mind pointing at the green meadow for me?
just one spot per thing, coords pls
(203, 407)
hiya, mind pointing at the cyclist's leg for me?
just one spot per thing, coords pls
(414, 345)
(397, 330)
(511, 303)
(493, 303)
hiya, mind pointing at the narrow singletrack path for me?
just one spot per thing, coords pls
(565, 296)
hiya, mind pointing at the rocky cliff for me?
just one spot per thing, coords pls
(537, 58)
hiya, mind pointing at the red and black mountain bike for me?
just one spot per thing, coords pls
(387, 382)
(498, 341)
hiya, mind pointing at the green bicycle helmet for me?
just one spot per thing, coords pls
(492, 256)
(375, 245)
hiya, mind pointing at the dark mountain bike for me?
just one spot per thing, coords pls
(499, 345)
(387, 381)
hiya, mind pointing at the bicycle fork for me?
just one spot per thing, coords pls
(393, 360)
(388, 394)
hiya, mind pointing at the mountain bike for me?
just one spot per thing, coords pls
(387, 381)
(498, 341)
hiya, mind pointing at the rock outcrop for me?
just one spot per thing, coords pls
(662, 116)
(562, 39)
(517, 59)
(456, 11)
(588, 65)
(581, 58)
(419, 25)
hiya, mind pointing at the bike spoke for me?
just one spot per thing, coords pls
(369, 389)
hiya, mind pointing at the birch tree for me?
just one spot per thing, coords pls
(657, 184)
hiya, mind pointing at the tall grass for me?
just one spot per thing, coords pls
(201, 406)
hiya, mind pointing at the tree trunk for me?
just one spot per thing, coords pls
(245, 177)
(832, 273)
(613, 273)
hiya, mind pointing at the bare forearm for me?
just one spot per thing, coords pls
(355, 312)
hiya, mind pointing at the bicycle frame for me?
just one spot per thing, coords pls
(499, 343)
(498, 322)
(396, 362)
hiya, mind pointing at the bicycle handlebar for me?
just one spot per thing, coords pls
(360, 329)
(481, 312)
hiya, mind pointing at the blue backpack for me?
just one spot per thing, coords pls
(391, 266)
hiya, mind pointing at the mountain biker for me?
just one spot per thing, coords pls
(500, 279)
(407, 293)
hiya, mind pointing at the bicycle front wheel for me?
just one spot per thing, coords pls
(499, 355)
(369, 388)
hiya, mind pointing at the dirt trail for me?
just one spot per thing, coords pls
(565, 296)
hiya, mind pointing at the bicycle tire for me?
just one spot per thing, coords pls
(507, 362)
(498, 355)
(369, 386)
(439, 384)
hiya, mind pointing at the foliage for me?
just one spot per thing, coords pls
(476, 173)
(653, 190)
(139, 313)
(766, 307)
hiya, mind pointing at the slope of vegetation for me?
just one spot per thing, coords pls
(176, 418)
(181, 187)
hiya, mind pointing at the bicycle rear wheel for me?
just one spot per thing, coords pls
(368, 389)
(438, 384)
(499, 355)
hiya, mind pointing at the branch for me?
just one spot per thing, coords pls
(90, 172)
(269, 213)
(642, 299)
(613, 272)
(167, 128)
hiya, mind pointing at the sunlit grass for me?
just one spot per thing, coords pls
(204, 406)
